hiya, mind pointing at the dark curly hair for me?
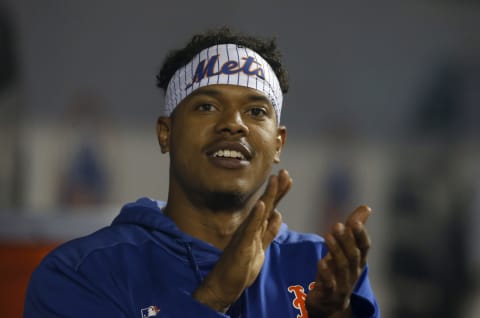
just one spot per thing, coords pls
(267, 48)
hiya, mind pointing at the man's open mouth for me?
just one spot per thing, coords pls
(228, 153)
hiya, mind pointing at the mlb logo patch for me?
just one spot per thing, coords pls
(150, 311)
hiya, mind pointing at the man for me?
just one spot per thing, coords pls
(217, 247)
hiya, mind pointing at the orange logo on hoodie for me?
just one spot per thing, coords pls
(300, 296)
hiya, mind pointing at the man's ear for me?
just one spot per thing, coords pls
(163, 133)
(280, 141)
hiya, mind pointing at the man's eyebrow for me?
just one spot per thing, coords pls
(258, 98)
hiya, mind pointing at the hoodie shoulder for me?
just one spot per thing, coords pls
(74, 252)
(287, 236)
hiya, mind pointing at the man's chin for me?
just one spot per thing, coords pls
(226, 201)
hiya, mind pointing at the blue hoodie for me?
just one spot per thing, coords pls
(144, 266)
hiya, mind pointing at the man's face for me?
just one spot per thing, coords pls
(222, 139)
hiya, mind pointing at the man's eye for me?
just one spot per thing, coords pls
(257, 112)
(205, 107)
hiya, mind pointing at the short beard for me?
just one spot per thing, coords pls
(225, 201)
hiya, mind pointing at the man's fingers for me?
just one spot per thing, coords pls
(270, 194)
(254, 222)
(342, 268)
(276, 189)
(284, 184)
(347, 241)
(325, 280)
(363, 241)
(356, 222)
(273, 226)
(360, 214)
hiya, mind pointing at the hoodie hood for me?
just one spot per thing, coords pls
(148, 214)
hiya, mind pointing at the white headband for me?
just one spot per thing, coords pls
(224, 64)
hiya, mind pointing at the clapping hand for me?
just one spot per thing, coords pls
(243, 258)
(340, 269)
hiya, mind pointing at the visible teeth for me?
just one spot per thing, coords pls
(226, 153)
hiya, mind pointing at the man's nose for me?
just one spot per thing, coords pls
(231, 122)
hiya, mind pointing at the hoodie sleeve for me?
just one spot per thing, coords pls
(57, 290)
(362, 300)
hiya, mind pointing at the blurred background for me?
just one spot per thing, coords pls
(383, 109)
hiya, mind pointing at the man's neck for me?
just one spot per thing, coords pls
(205, 223)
